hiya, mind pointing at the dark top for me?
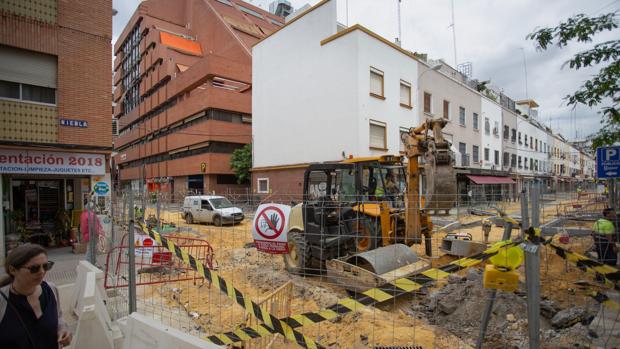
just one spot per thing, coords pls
(43, 331)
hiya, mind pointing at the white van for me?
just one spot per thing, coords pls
(210, 209)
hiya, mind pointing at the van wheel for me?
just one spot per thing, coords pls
(298, 258)
(189, 219)
(217, 221)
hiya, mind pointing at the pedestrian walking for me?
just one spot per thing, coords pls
(85, 220)
(30, 315)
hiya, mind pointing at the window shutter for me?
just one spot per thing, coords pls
(427, 102)
(377, 136)
(446, 110)
(28, 67)
(376, 83)
(405, 94)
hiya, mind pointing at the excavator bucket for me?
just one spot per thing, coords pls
(440, 182)
(375, 268)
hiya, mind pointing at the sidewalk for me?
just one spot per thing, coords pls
(65, 264)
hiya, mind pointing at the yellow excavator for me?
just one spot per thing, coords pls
(359, 216)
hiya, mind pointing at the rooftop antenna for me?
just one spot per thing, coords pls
(525, 69)
(399, 39)
(347, 10)
(454, 35)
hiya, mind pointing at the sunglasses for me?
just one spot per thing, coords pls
(35, 268)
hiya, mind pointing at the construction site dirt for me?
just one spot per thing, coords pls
(445, 314)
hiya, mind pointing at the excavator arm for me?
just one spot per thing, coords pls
(427, 141)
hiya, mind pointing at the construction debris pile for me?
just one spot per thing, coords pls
(458, 307)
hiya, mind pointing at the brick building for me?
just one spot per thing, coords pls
(55, 127)
(182, 78)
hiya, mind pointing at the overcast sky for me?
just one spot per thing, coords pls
(489, 34)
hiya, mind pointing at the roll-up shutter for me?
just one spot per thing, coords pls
(28, 67)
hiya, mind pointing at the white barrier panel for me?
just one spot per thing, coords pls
(83, 268)
(95, 329)
(141, 332)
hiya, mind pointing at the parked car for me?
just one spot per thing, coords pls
(217, 210)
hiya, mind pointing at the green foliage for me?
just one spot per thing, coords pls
(241, 163)
(601, 88)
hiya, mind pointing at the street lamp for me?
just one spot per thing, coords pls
(435, 67)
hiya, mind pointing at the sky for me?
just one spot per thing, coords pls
(491, 34)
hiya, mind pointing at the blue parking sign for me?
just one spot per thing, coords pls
(608, 162)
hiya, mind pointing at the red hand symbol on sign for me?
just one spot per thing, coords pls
(276, 217)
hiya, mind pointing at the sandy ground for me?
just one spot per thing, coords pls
(397, 323)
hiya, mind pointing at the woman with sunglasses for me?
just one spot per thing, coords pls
(30, 315)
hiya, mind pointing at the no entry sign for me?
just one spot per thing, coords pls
(269, 228)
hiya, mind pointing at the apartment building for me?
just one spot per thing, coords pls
(55, 133)
(315, 119)
(182, 77)
(382, 90)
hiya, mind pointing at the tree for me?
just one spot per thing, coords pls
(241, 163)
(603, 88)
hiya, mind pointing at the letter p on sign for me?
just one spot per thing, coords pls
(610, 153)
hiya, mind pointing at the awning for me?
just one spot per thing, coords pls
(490, 180)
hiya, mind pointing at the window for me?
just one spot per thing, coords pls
(513, 136)
(26, 92)
(376, 83)
(525, 162)
(496, 129)
(486, 154)
(513, 160)
(9, 89)
(531, 164)
(462, 117)
(427, 103)
(405, 94)
(403, 132)
(525, 136)
(28, 75)
(506, 159)
(520, 138)
(462, 148)
(531, 142)
(496, 157)
(446, 110)
(38, 94)
(377, 135)
(536, 144)
(506, 131)
(251, 12)
(487, 126)
(274, 22)
(263, 185)
(476, 155)
(520, 164)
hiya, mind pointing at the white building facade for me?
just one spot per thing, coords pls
(340, 92)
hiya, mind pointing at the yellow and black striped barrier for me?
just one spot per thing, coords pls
(610, 274)
(367, 298)
(274, 324)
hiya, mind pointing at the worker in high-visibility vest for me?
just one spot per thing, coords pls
(604, 235)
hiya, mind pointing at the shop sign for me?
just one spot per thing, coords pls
(101, 188)
(74, 123)
(48, 162)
